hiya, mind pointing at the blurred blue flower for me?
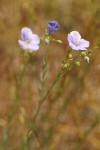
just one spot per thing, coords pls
(29, 40)
(75, 41)
(53, 26)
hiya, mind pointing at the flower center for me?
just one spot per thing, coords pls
(28, 39)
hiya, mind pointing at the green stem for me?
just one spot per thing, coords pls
(47, 93)
(43, 75)
(31, 128)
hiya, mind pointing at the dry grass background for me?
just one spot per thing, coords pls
(69, 118)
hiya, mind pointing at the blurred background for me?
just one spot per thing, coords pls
(69, 118)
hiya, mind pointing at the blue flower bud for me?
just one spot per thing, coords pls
(53, 26)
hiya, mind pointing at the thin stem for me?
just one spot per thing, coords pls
(31, 128)
(43, 75)
(47, 93)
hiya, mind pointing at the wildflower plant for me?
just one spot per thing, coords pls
(31, 42)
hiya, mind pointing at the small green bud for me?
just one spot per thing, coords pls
(83, 54)
(77, 63)
(47, 40)
(64, 65)
(70, 56)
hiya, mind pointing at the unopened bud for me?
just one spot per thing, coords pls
(77, 63)
(83, 54)
(47, 41)
(64, 65)
(87, 59)
(69, 56)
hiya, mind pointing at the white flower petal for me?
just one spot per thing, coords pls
(76, 36)
(73, 46)
(35, 39)
(33, 46)
(70, 39)
(84, 42)
(22, 44)
(26, 33)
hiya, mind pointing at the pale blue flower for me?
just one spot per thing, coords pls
(75, 41)
(53, 26)
(29, 40)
